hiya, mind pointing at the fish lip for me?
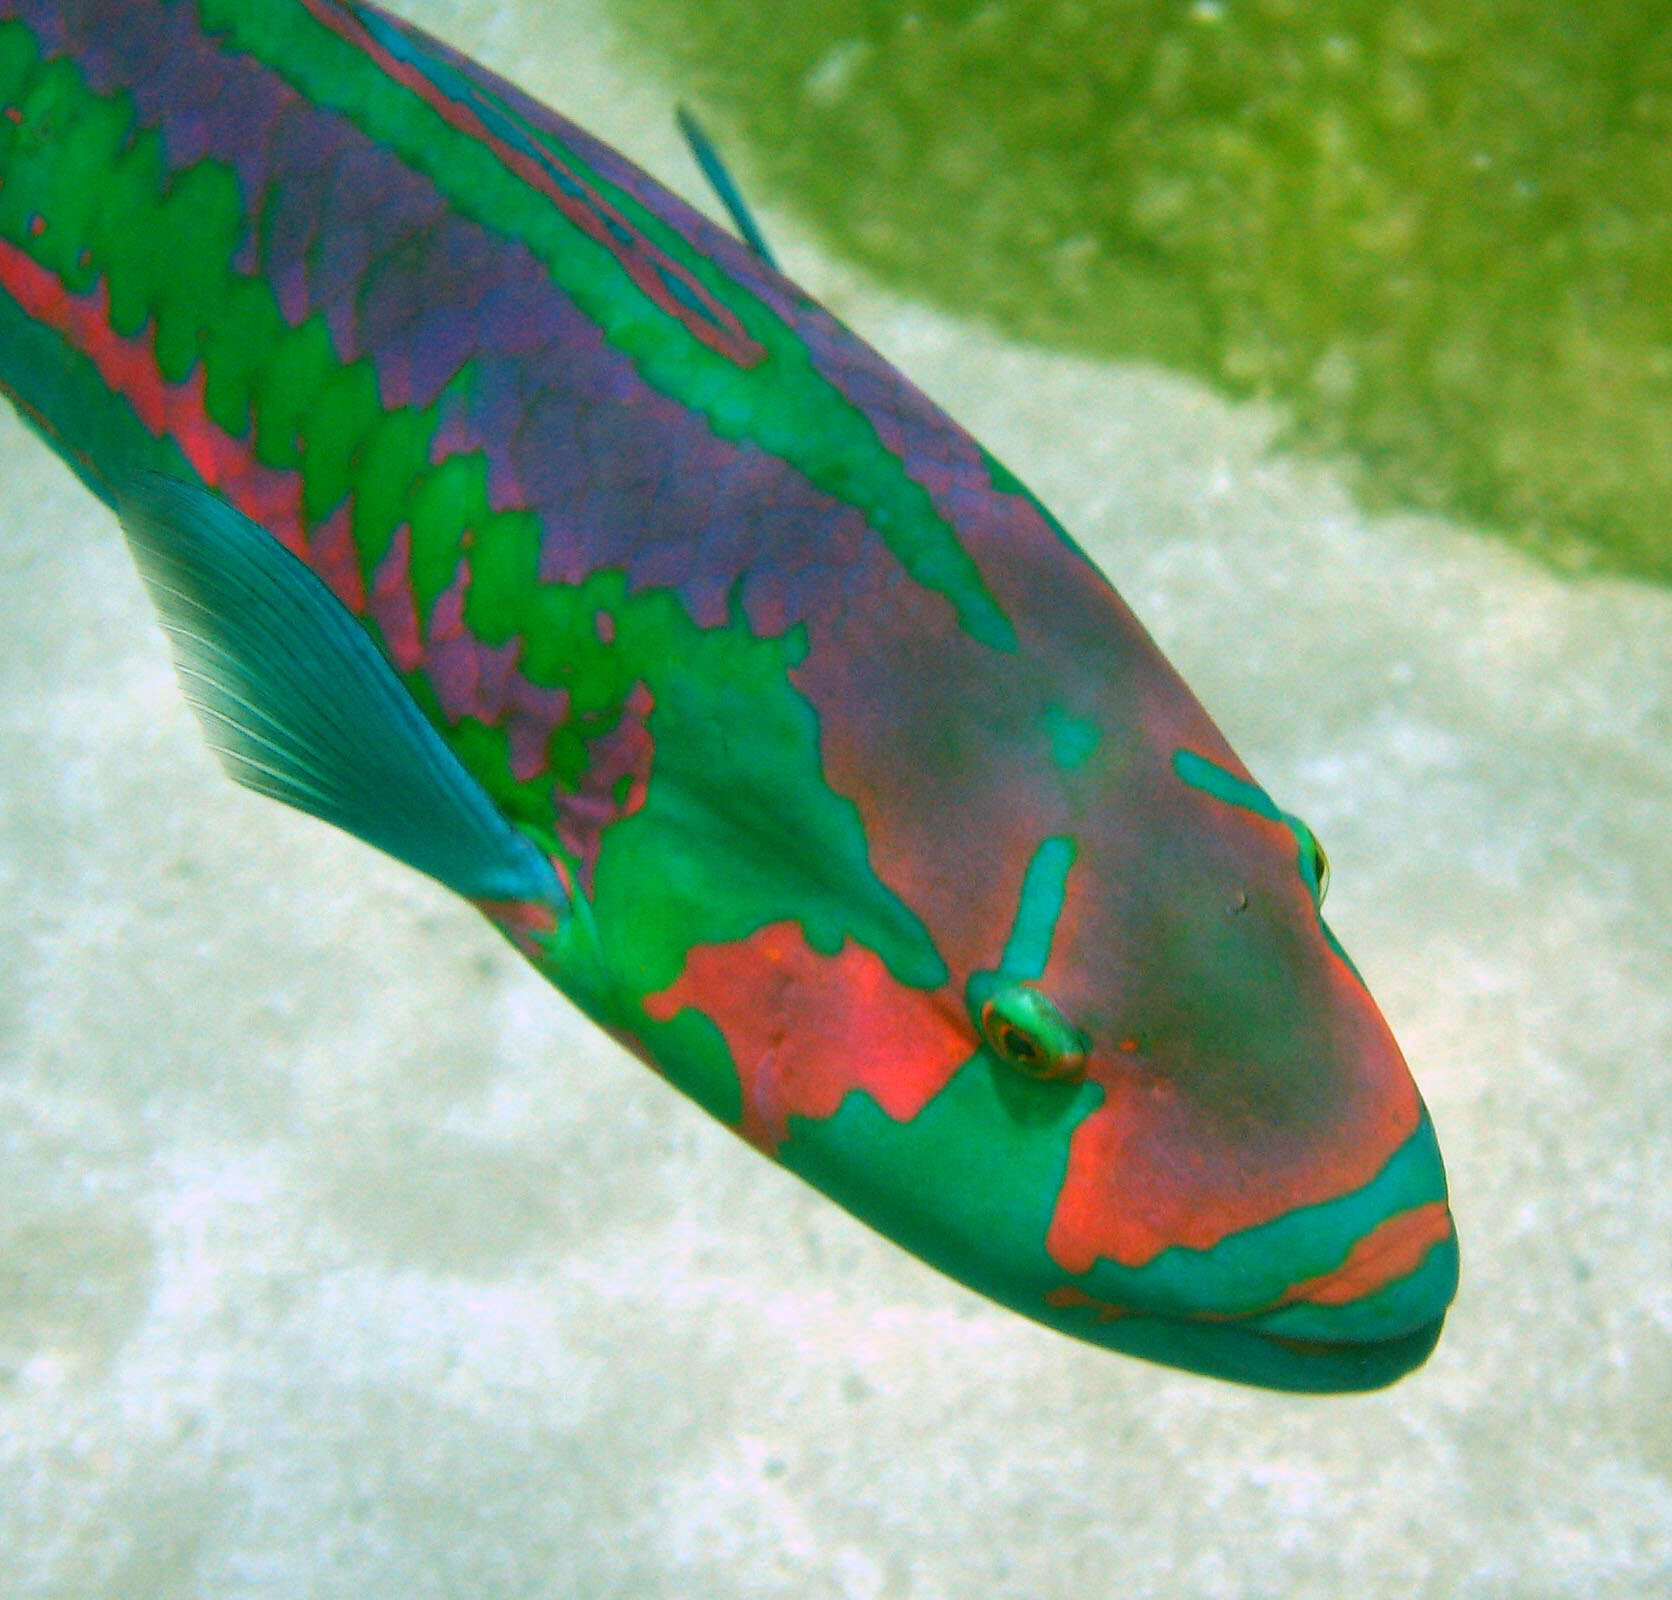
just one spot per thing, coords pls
(1256, 1322)
(1236, 1352)
(1309, 1355)
(1335, 1366)
(1427, 1317)
(1378, 1362)
(1429, 1331)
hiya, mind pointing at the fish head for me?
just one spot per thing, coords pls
(1062, 1016)
(1243, 1179)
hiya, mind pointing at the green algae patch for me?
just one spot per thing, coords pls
(1438, 232)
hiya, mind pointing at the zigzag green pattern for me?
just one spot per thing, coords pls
(785, 406)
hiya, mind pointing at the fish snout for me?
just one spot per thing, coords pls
(1399, 1271)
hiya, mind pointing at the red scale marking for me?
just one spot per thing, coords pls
(624, 753)
(447, 614)
(473, 679)
(128, 365)
(524, 922)
(804, 1029)
(333, 554)
(535, 712)
(497, 677)
(1070, 1298)
(483, 682)
(391, 606)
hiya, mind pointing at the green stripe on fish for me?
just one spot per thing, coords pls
(800, 417)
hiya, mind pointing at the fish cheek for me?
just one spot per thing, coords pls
(805, 1027)
(1228, 1089)
(1034, 1102)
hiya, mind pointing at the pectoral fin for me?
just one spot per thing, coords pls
(299, 704)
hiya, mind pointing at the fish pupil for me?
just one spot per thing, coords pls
(1017, 1044)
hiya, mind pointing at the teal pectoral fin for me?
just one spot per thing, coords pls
(299, 704)
(731, 197)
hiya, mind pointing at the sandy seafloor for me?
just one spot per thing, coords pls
(339, 1257)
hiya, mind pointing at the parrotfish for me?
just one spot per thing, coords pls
(508, 513)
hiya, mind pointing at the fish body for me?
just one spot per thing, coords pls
(509, 513)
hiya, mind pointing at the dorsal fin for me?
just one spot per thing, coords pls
(299, 704)
(714, 169)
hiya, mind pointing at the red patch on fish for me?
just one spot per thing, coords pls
(128, 366)
(805, 1029)
(1392, 1250)
(1136, 1135)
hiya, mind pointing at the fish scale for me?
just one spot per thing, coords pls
(509, 514)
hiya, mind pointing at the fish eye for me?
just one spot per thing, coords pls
(1026, 1031)
(1314, 864)
(1318, 864)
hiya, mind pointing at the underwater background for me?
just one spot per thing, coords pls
(1439, 231)
(340, 1257)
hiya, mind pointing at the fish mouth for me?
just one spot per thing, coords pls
(1339, 1366)
(1240, 1352)
(1361, 1326)
(1424, 1338)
